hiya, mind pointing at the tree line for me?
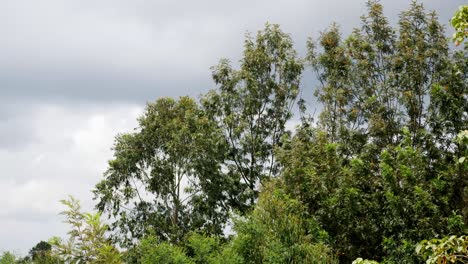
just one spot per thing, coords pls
(379, 175)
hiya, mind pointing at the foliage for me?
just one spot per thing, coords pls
(451, 249)
(462, 139)
(382, 213)
(7, 258)
(459, 22)
(198, 248)
(374, 82)
(364, 261)
(384, 167)
(226, 255)
(279, 231)
(87, 242)
(153, 251)
(42, 253)
(394, 99)
(42, 248)
(165, 176)
(202, 248)
(252, 106)
(381, 170)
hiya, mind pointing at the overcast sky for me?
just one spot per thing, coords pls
(74, 73)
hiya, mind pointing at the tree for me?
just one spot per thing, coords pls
(316, 174)
(42, 248)
(166, 176)
(394, 101)
(372, 214)
(356, 82)
(196, 249)
(7, 258)
(276, 231)
(42, 253)
(378, 79)
(154, 251)
(87, 242)
(252, 106)
(279, 231)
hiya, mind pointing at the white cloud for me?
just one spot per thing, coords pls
(67, 157)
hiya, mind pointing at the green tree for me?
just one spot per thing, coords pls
(196, 249)
(202, 248)
(377, 80)
(357, 83)
(154, 251)
(332, 68)
(377, 214)
(166, 176)
(459, 22)
(280, 231)
(87, 242)
(252, 106)
(364, 261)
(368, 170)
(381, 170)
(42, 253)
(7, 258)
(42, 248)
(342, 203)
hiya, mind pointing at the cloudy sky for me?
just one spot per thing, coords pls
(74, 73)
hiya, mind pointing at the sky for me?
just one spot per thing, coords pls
(75, 73)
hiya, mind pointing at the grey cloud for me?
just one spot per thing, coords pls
(129, 50)
(67, 157)
(101, 86)
(15, 128)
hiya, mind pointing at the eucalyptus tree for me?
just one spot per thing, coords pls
(421, 61)
(378, 79)
(252, 105)
(165, 177)
(383, 159)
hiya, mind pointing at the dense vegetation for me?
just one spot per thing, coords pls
(379, 174)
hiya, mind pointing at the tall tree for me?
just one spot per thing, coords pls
(421, 61)
(378, 79)
(252, 106)
(166, 176)
(394, 100)
(356, 82)
(332, 68)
